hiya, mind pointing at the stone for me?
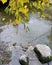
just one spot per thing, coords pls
(30, 48)
(43, 53)
(50, 1)
(24, 60)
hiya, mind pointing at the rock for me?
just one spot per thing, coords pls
(43, 53)
(24, 60)
(5, 57)
(30, 48)
(14, 44)
(5, 54)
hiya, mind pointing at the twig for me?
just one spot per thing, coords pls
(48, 63)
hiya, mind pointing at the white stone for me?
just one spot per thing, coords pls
(30, 48)
(24, 57)
(44, 50)
(50, 1)
(17, 47)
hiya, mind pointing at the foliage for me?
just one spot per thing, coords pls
(3, 1)
(22, 8)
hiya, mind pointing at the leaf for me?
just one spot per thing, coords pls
(26, 19)
(3, 19)
(42, 16)
(7, 10)
(38, 12)
(16, 22)
(23, 10)
(4, 1)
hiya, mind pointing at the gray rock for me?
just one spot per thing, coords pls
(24, 60)
(43, 53)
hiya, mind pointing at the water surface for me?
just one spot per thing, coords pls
(40, 33)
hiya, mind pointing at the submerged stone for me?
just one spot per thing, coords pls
(43, 53)
(24, 60)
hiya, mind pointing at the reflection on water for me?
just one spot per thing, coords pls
(50, 38)
(8, 18)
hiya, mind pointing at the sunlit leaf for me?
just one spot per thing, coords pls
(3, 19)
(4, 1)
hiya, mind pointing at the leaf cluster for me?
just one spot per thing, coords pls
(22, 8)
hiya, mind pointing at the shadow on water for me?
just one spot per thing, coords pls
(5, 18)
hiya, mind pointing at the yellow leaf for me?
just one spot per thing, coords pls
(16, 22)
(42, 16)
(4, 1)
(3, 19)
(43, 3)
(24, 10)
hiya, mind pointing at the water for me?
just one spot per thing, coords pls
(40, 32)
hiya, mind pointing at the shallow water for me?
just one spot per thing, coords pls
(39, 30)
(40, 33)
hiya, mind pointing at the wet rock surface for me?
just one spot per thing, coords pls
(24, 60)
(43, 53)
(18, 52)
(5, 54)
